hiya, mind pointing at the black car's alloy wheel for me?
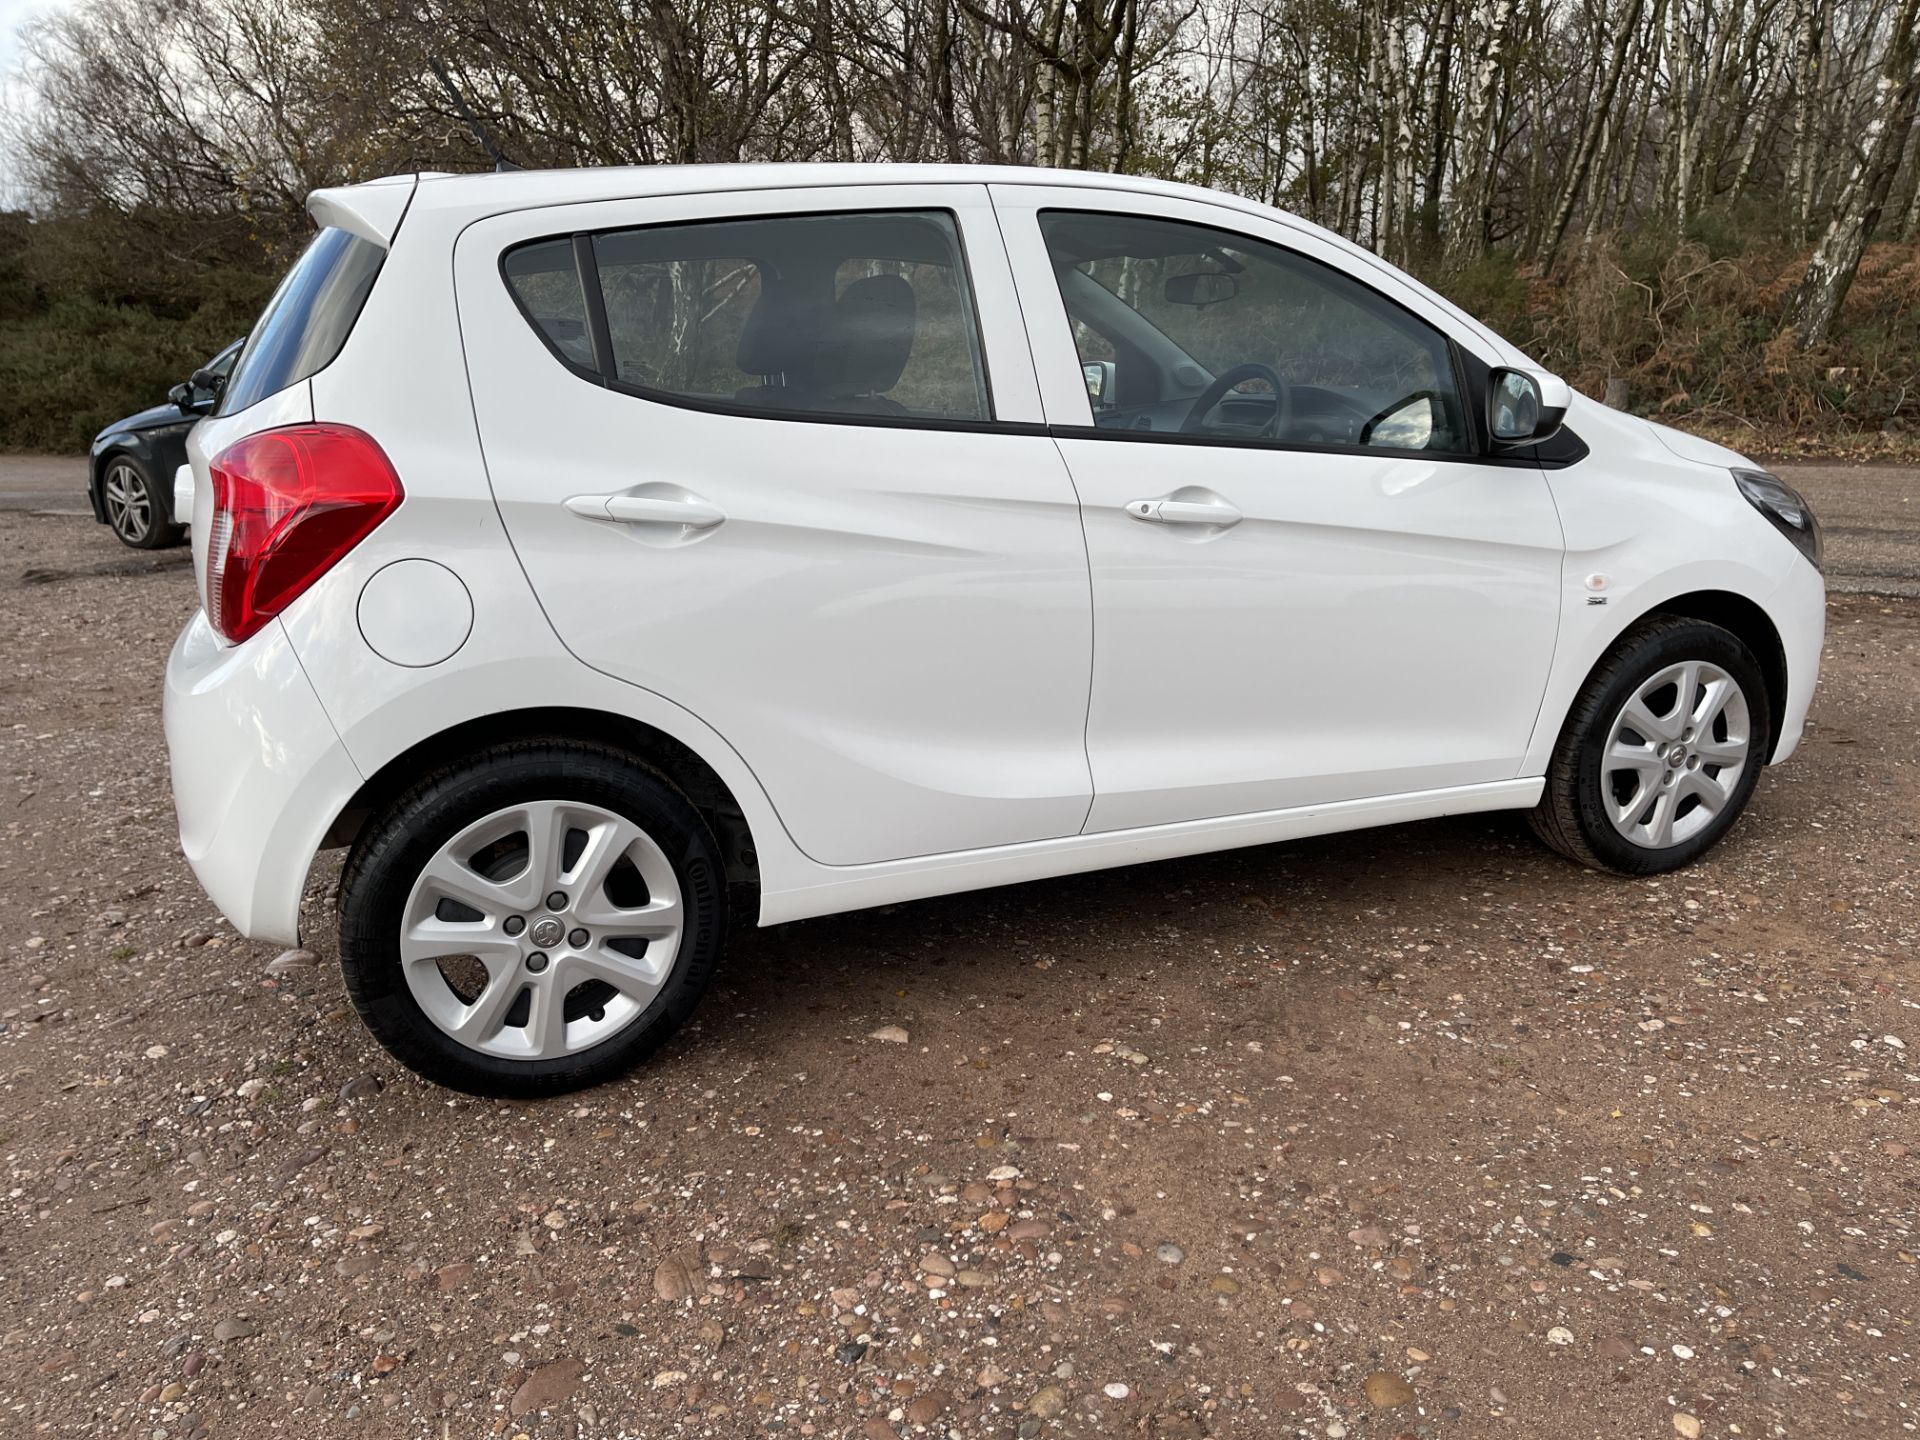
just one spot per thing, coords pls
(135, 510)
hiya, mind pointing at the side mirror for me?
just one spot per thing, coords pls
(1101, 382)
(201, 392)
(1525, 407)
(1201, 288)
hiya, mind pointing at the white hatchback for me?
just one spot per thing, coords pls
(612, 557)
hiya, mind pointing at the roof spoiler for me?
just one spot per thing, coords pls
(372, 210)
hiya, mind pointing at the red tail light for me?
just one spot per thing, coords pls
(287, 504)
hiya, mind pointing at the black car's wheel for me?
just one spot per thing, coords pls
(140, 513)
(1660, 752)
(532, 920)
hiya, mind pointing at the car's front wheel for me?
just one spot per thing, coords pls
(136, 510)
(1660, 752)
(532, 920)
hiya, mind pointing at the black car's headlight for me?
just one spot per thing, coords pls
(1784, 506)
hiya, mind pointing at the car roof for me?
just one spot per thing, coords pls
(376, 207)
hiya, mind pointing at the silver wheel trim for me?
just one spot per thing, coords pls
(129, 505)
(1684, 736)
(515, 963)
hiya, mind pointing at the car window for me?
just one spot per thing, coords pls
(845, 314)
(544, 280)
(1188, 329)
(307, 320)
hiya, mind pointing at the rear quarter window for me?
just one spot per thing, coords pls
(307, 320)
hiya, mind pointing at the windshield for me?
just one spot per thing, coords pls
(307, 320)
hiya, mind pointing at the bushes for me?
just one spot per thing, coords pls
(1696, 338)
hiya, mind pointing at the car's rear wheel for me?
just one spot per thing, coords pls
(138, 513)
(533, 920)
(1661, 751)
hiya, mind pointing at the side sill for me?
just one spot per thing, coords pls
(831, 890)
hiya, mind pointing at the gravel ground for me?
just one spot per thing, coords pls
(1412, 1132)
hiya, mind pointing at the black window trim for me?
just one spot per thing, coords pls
(605, 371)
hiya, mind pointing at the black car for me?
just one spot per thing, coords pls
(130, 478)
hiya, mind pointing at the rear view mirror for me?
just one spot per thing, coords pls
(1525, 406)
(1201, 288)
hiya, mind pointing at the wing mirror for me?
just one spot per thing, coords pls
(200, 393)
(1525, 407)
(1102, 385)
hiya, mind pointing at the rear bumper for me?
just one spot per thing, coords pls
(258, 774)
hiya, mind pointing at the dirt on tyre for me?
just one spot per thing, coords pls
(1660, 752)
(537, 918)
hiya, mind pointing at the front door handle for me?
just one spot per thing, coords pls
(1167, 511)
(647, 510)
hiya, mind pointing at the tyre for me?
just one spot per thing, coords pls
(1660, 751)
(139, 513)
(532, 920)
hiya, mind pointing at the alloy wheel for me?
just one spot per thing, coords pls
(129, 503)
(1675, 754)
(541, 930)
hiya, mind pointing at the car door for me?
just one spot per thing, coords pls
(1317, 591)
(777, 456)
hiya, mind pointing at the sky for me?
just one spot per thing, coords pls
(14, 14)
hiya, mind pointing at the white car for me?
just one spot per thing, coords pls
(610, 558)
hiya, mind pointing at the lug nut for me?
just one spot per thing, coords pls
(557, 900)
(578, 939)
(536, 962)
(514, 924)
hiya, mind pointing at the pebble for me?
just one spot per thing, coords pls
(891, 1034)
(676, 1277)
(546, 1387)
(236, 1328)
(1387, 1390)
(1116, 1391)
(1686, 1425)
(361, 1087)
(1169, 1254)
(1047, 1402)
(289, 962)
(1559, 1335)
(928, 1407)
(1681, 1352)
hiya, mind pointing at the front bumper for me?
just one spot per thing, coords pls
(258, 773)
(1799, 611)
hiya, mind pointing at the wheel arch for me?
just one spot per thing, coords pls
(678, 763)
(1755, 629)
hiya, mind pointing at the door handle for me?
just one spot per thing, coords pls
(1214, 512)
(647, 510)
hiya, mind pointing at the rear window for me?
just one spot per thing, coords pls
(307, 320)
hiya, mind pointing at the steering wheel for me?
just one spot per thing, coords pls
(1239, 374)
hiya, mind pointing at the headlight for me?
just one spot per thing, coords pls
(1783, 505)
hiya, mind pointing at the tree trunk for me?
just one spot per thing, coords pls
(1817, 302)
(1590, 139)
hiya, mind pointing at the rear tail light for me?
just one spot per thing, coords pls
(287, 504)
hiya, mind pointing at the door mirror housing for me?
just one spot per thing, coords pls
(1525, 407)
(201, 392)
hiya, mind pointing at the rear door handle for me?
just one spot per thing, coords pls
(1214, 512)
(647, 510)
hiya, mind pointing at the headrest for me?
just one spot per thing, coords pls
(866, 338)
(772, 341)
